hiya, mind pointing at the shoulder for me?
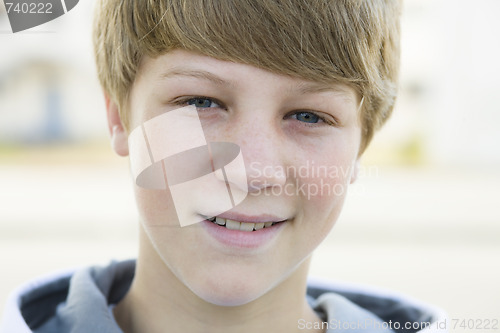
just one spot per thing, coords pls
(28, 305)
(70, 300)
(348, 307)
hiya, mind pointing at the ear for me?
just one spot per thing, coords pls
(355, 170)
(119, 136)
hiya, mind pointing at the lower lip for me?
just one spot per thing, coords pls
(242, 239)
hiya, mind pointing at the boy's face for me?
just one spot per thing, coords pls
(299, 141)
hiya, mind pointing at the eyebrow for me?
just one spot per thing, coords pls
(310, 88)
(195, 74)
(303, 89)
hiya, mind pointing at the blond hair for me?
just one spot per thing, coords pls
(354, 42)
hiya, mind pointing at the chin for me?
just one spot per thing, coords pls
(227, 299)
(229, 293)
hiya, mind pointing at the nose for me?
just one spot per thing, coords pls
(262, 148)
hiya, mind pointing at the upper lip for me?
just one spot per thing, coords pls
(250, 218)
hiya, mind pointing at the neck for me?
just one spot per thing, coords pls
(158, 300)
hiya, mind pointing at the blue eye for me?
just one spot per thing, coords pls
(201, 102)
(307, 117)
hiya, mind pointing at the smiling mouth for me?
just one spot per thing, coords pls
(241, 226)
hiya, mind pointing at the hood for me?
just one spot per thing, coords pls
(78, 301)
(350, 307)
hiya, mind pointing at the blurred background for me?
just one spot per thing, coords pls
(422, 219)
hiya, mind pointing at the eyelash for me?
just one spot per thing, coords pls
(185, 100)
(324, 120)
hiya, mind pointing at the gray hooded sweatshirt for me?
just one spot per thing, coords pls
(81, 301)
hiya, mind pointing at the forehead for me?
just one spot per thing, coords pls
(186, 65)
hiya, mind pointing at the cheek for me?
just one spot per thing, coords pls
(329, 191)
(321, 202)
(326, 181)
(171, 242)
(156, 207)
(323, 191)
(329, 165)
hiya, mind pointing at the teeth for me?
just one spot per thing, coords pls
(242, 226)
(233, 225)
(247, 226)
(259, 226)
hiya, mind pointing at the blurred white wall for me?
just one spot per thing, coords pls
(449, 83)
(55, 58)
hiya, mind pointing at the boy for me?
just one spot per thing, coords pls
(209, 93)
